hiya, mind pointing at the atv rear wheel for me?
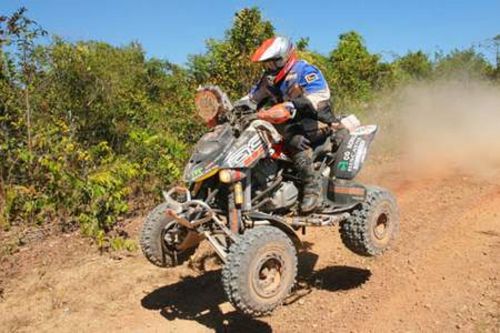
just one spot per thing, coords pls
(260, 271)
(372, 227)
(153, 241)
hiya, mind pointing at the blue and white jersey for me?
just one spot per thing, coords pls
(304, 85)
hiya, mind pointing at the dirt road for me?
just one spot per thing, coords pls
(442, 275)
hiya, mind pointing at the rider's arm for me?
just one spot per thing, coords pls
(257, 96)
(314, 101)
(260, 92)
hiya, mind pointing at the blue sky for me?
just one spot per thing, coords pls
(174, 29)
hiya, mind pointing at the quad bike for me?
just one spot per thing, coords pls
(242, 196)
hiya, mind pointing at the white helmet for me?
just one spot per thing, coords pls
(274, 53)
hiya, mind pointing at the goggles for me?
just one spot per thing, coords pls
(271, 65)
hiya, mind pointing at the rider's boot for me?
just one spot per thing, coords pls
(310, 188)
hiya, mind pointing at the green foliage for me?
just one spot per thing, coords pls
(463, 65)
(355, 72)
(100, 90)
(302, 43)
(172, 89)
(95, 115)
(103, 196)
(160, 155)
(227, 63)
(495, 46)
(414, 66)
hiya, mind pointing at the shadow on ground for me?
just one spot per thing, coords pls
(331, 278)
(199, 298)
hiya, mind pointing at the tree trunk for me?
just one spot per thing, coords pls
(28, 116)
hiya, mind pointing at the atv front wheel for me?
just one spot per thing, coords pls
(158, 227)
(260, 271)
(372, 227)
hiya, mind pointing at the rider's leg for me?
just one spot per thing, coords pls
(303, 162)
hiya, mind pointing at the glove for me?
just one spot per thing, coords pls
(245, 103)
(299, 142)
(336, 126)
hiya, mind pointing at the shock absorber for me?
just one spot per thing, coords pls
(234, 211)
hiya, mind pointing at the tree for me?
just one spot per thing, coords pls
(463, 65)
(23, 33)
(98, 119)
(415, 65)
(355, 71)
(302, 44)
(496, 43)
(227, 62)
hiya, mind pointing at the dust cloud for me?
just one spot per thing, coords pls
(441, 126)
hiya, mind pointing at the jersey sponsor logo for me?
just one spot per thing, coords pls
(311, 77)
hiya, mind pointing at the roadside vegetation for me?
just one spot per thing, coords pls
(89, 131)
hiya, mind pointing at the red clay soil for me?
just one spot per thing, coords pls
(441, 275)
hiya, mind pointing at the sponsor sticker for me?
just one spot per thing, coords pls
(311, 77)
(343, 165)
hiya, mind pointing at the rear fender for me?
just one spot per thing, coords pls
(346, 193)
(352, 152)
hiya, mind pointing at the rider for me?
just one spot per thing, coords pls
(300, 89)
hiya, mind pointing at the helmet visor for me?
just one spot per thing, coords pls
(271, 65)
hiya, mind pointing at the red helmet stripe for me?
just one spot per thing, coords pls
(284, 71)
(263, 48)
